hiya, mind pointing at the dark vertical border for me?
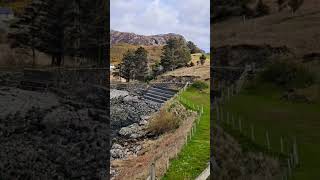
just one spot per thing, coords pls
(211, 90)
(106, 48)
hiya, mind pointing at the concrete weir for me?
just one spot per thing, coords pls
(159, 94)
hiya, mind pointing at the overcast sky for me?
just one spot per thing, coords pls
(190, 18)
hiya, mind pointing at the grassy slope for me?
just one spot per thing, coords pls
(263, 108)
(194, 157)
(117, 51)
(298, 32)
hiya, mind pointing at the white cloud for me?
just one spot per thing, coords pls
(190, 18)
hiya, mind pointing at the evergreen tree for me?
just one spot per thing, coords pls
(26, 28)
(203, 59)
(127, 65)
(193, 48)
(141, 63)
(59, 28)
(175, 54)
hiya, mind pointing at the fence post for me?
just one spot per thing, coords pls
(168, 161)
(218, 116)
(232, 90)
(289, 168)
(281, 144)
(192, 131)
(295, 152)
(228, 118)
(153, 171)
(221, 114)
(240, 126)
(186, 138)
(252, 132)
(268, 140)
(233, 123)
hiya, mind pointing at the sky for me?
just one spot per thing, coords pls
(190, 18)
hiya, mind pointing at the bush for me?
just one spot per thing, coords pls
(199, 85)
(288, 75)
(163, 122)
(191, 64)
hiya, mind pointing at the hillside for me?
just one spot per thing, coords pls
(121, 42)
(117, 51)
(117, 37)
(201, 72)
(298, 32)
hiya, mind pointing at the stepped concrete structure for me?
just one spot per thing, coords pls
(159, 94)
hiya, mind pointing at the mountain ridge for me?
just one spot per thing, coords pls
(117, 37)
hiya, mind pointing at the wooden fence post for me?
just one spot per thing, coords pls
(281, 144)
(289, 168)
(252, 132)
(240, 125)
(228, 118)
(186, 138)
(221, 114)
(268, 140)
(217, 111)
(232, 120)
(202, 108)
(295, 152)
(153, 171)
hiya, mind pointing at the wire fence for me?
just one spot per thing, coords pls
(161, 163)
(286, 147)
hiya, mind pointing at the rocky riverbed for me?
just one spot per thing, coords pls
(130, 114)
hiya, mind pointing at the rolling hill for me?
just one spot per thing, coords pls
(121, 42)
(117, 51)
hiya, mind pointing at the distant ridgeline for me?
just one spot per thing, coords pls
(121, 42)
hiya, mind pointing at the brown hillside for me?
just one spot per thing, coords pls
(299, 32)
(117, 51)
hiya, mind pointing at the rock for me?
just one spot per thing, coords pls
(143, 122)
(133, 131)
(117, 153)
(116, 146)
(145, 118)
(114, 93)
(131, 99)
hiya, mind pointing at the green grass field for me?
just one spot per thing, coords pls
(194, 157)
(263, 108)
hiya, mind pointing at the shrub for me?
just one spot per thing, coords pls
(191, 64)
(199, 85)
(163, 122)
(288, 75)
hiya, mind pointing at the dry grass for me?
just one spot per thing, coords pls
(159, 150)
(164, 121)
(200, 71)
(117, 51)
(299, 32)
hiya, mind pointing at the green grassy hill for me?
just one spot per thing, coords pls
(264, 108)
